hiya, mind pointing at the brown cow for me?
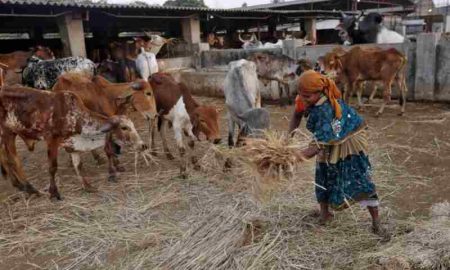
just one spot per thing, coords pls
(60, 119)
(19, 59)
(176, 105)
(110, 99)
(370, 64)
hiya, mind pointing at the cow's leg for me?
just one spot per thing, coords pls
(386, 96)
(191, 143)
(151, 132)
(109, 150)
(258, 99)
(178, 131)
(280, 91)
(76, 161)
(359, 90)
(97, 157)
(162, 132)
(231, 126)
(52, 152)
(402, 88)
(373, 91)
(11, 166)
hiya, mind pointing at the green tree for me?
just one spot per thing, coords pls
(184, 3)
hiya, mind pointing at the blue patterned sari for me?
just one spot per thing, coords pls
(343, 170)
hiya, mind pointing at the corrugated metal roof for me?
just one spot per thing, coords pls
(81, 4)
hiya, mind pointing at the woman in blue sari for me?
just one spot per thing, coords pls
(343, 170)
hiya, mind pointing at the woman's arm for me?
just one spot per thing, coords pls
(296, 119)
(309, 152)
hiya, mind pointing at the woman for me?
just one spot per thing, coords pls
(343, 170)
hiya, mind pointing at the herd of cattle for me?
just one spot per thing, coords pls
(70, 103)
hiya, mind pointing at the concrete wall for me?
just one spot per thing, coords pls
(169, 64)
(428, 68)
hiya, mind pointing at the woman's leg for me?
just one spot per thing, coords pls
(325, 214)
(376, 226)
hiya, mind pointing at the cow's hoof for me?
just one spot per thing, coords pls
(90, 189)
(170, 156)
(378, 114)
(191, 144)
(401, 113)
(100, 161)
(55, 197)
(120, 168)
(154, 153)
(112, 179)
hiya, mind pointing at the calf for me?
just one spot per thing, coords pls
(243, 101)
(279, 68)
(176, 105)
(61, 120)
(18, 60)
(110, 99)
(373, 64)
(43, 74)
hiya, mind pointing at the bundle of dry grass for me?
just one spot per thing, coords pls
(275, 155)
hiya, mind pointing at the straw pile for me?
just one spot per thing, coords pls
(275, 155)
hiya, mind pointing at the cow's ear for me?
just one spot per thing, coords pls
(125, 98)
(112, 122)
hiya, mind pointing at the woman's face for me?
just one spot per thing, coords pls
(310, 98)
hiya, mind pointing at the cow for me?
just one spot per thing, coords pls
(252, 43)
(42, 74)
(62, 121)
(156, 42)
(372, 64)
(243, 101)
(280, 68)
(369, 30)
(146, 64)
(176, 105)
(18, 60)
(110, 99)
(214, 41)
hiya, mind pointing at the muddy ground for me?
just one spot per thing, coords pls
(416, 147)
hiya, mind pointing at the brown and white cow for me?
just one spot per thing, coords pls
(110, 99)
(369, 64)
(176, 105)
(62, 121)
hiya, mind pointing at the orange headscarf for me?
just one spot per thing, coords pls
(311, 81)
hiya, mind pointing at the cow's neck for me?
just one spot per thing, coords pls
(113, 92)
(190, 103)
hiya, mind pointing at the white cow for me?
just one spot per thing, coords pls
(243, 101)
(146, 64)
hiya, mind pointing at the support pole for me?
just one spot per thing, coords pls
(72, 34)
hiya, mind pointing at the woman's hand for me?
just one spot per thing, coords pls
(308, 152)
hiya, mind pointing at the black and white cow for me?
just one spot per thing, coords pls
(42, 74)
(243, 101)
(352, 30)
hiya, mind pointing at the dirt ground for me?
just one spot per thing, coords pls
(414, 153)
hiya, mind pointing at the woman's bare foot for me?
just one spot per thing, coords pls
(325, 218)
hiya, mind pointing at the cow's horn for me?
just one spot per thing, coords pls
(137, 86)
(240, 38)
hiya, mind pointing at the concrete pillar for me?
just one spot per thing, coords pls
(72, 34)
(310, 27)
(447, 24)
(191, 30)
(426, 66)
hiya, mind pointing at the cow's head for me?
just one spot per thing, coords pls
(123, 132)
(205, 120)
(254, 123)
(332, 62)
(43, 53)
(251, 43)
(303, 65)
(262, 61)
(143, 99)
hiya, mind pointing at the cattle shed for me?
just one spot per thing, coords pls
(75, 27)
